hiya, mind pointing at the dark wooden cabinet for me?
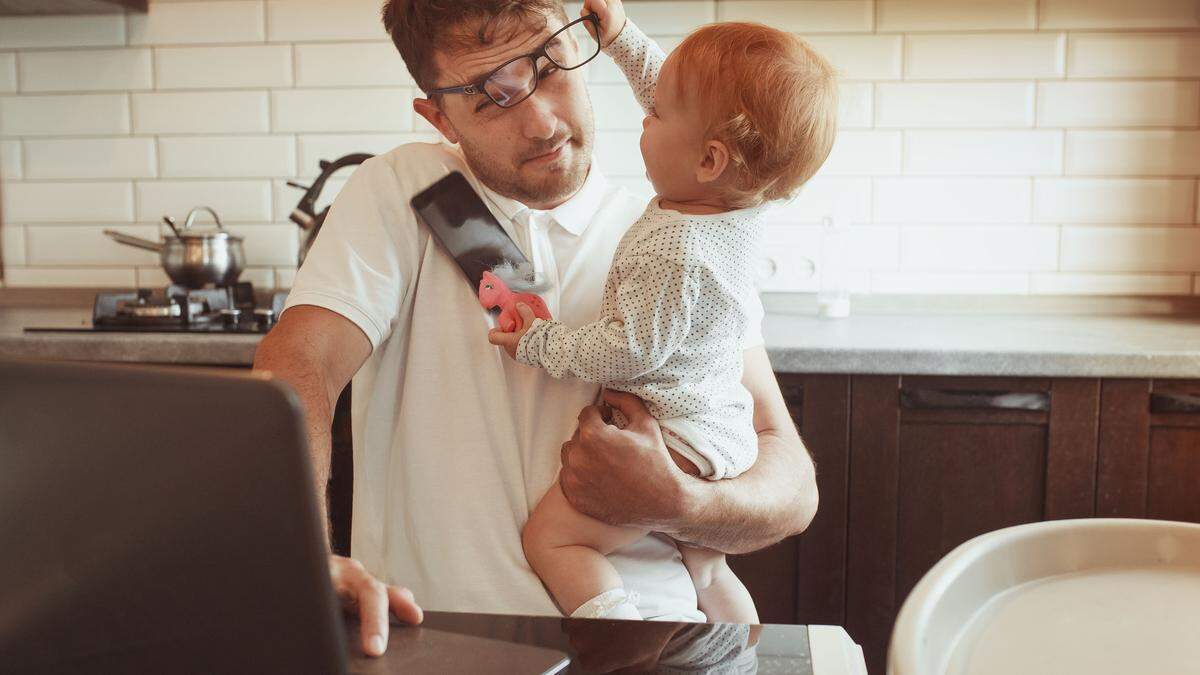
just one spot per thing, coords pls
(803, 579)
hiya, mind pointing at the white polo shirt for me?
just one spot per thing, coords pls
(454, 443)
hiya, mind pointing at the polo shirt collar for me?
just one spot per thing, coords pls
(573, 215)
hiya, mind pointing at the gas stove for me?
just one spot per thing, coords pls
(177, 309)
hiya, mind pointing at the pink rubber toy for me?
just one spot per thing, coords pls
(493, 292)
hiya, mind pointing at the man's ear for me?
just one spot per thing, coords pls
(434, 115)
(713, 162)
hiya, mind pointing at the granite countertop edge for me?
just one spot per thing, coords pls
(909, 344)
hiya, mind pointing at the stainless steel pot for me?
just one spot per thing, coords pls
(195, 259)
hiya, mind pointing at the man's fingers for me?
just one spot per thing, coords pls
(592, 424)
(372, 614)
(404, 605)
(631, 406)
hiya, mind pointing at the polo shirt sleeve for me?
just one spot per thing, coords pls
(365, 255)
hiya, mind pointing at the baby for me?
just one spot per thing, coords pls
(739, 115)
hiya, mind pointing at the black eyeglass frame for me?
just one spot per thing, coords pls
(478, 87)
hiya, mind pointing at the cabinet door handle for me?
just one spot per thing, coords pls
(943, 399)
(1174, 403)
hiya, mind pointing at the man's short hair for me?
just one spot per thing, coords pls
(766, 94)
(420, 27)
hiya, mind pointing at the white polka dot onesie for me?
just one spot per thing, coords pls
(675, 311)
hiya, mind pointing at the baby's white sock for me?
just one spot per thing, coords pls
(611, 604)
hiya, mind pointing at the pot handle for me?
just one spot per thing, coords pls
(138, 242)
(191, 217)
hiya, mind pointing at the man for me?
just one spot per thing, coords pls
(453, 443)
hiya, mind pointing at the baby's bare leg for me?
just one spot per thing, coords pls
(721, 595)
(566, 549)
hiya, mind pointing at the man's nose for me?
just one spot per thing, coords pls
(539, 121)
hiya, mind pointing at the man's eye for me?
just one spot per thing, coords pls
(547, 71)
(483, 104)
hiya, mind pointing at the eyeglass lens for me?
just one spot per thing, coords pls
(567, 49)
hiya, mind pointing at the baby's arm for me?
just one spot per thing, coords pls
(654, 301)
(641, 59)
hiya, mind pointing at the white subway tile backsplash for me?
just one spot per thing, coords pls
(1110, 284)
(964, 104)
(169, 23)
(833, 16)
(1133, 153)
(846, 200)
(617, 153)
(308, 20)
(864, 153)
(230, 67)
(1134, 55)
(8, 73)
(329, 147)
(261, 277)
(85, 70)
(242, 200)
(1119, 14)
(152, 277)
(200, 112)
(269, 244)
(669, 17)
(855, 105)
(950, 283)
(978, 57)
(861, 57)
(64, 115)
(1130, 249)
(70, 277)
(939, 176)
(87, 245)
(952, 200)
(1118, 104)
(615, 107)
(1112, 200)
(350, 64)
(10, 160)
(114, 157)
(979, 249)
(227, 156)
(68, 202)
(19, 32)
(342, 110)
(929, 15)
(12, 245)
(980, 152)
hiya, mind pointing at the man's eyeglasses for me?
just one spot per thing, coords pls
(515, 80)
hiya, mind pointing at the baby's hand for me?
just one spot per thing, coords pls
(509, 341)
(612, 18)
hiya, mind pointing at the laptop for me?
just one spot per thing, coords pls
(164, 520)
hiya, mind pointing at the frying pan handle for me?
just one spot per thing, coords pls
(138, 242)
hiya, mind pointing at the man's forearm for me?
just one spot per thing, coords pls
(306, 379)
(774, 499)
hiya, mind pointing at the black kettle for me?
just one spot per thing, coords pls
(305, 214)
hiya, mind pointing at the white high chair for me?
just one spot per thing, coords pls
(1094, 596)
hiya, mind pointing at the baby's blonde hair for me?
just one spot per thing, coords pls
(769, 97)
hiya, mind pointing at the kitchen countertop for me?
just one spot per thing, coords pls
(909, 342)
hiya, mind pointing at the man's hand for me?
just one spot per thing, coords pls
(612, 18)
(509, 341)
(623, 476)
(370, 599)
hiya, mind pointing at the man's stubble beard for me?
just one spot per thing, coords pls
(549, 187)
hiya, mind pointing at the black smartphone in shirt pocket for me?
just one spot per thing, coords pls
(466, 228)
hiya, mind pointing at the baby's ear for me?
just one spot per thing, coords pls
(713, 162)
